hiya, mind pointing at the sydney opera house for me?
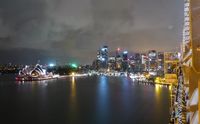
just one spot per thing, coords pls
(33, 73)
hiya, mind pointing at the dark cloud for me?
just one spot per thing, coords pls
(72, 30)
(24, 55)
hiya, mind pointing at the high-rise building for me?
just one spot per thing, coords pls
(132, 63)
(125, 61)
(102, 57)
(125, 55)
(160, 63)
(138, 62)
(111, 63)
(118, 53)
(152, 65)
(118, 60)
(144, 63)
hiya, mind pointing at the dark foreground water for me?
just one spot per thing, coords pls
(83, 100)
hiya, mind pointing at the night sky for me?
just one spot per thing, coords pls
(72, 30)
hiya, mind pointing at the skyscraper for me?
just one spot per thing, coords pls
(152, 61)
(160, 63)
(118, 60)
(102, 57)
(138, 62)
(125, 61)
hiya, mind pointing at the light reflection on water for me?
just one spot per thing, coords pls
(91, 100)
(126, 87)
(73, 101)
(32, 85)
(73, 89)
(102, 100)
(158, 89)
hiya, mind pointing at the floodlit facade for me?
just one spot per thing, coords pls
(37, 71)
(171, 62)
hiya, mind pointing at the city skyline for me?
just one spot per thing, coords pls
(69, 30)
(111, 53)
(100, 61)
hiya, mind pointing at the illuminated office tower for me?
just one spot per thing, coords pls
(102, 57)
(118, 60)
(152, 62)
(160, 69)
(125, 61)
(138, 62)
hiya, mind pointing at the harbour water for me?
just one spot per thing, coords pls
(83, 100)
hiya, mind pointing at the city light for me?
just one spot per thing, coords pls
(125, 52)
(170, 87)
(102, 62)
(103, 59)
(51, 65)
(74, 65)
(103, 49)
(73, 74)
(198, 48)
